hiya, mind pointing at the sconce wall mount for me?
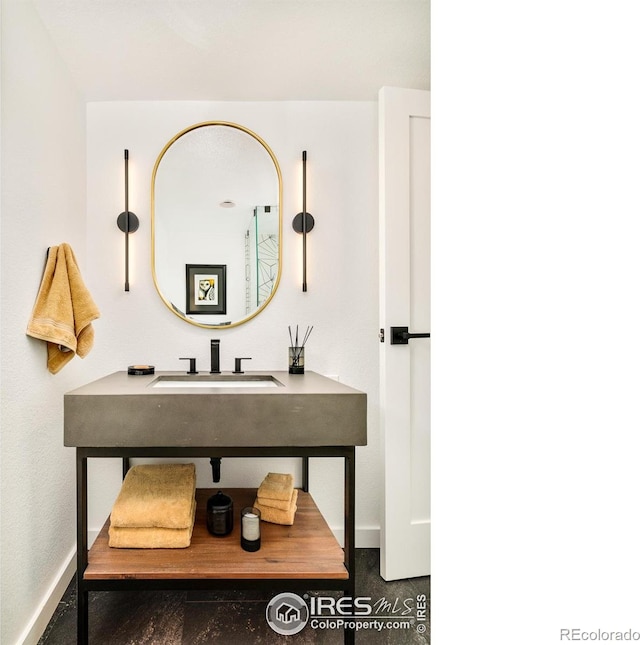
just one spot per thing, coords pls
(303, 222)
(298, 222)
(128, 222)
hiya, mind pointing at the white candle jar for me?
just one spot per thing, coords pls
(250, 530)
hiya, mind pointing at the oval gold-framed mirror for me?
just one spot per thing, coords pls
(216, 224)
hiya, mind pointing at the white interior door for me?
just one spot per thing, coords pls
(404, 124)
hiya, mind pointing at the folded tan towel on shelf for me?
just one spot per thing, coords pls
(151, 538)
(276, 486)
(275, 503)
(63, 311)
(156, 496)
(277, 515)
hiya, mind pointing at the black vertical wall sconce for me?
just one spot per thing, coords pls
(303, 222)
(127, 221)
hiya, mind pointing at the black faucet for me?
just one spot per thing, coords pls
(192, 365)
(238, 369)
(215, 356)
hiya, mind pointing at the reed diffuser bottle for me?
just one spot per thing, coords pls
(296, 351)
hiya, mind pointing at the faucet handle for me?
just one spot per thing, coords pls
(238, 369)
(192, 365)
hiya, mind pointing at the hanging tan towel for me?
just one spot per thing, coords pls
(277, 515)
(63, 311)
(156, 496)
(276, 486)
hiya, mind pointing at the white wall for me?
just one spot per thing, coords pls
(136, 327)
(43, 204)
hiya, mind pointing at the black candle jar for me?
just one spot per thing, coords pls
(220, 514)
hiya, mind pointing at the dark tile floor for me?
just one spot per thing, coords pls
(234, 618)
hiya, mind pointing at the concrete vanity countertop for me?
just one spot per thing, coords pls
(120, 410)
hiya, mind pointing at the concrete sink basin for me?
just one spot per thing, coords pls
(215, 381)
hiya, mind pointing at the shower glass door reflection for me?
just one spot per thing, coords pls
(261, 255)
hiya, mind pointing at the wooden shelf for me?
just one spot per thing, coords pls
(307, 549)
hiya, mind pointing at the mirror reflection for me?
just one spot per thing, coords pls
(216, 224)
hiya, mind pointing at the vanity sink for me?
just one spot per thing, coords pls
(215, 381)
(175, 409)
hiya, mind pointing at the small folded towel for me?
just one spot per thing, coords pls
(151, 538)
(277, 515)
(275, 503)
(276, 486)
(156, 496)
(63, 311)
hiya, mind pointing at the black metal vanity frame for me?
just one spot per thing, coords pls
(305, 452)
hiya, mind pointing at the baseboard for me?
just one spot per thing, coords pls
(366, 538)
(92, 534)
(41, 617)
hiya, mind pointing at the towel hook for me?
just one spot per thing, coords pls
(127, 221)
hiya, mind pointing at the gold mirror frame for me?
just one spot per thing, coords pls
(168, 304)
